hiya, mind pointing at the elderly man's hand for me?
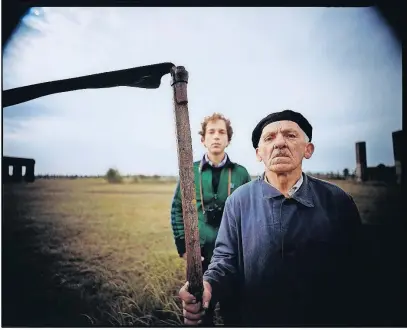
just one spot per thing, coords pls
(192, 310)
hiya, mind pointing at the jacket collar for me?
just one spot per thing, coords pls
(303, 195)
(206, 163)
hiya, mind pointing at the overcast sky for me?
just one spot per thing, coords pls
(339, 67)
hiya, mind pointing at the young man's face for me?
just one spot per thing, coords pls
(283, 146)
(216, 137)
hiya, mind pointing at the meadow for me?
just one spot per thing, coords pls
(88, 253)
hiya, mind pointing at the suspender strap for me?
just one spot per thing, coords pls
(229, 180)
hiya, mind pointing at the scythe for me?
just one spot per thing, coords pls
(144, 77)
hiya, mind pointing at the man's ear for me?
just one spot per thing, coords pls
(202, 141)
(258, 157)
(309, 150)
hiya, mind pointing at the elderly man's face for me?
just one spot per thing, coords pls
(283, 146)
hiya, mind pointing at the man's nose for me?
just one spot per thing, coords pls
(279, 141)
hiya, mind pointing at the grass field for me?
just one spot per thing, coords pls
(84, 252)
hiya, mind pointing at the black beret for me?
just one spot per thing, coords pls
(282, 115)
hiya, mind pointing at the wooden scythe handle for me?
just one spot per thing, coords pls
(187, 183)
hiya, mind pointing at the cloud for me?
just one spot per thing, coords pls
(340, 67)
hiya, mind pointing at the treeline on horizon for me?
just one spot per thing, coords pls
(114, 176)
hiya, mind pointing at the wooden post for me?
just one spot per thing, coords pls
(398, 150)
(187, 182)
(361, 162)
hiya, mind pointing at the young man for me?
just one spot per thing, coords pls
(216, 177)
(286, 250)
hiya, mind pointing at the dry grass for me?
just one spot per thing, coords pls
(110, 245)
(113, 243)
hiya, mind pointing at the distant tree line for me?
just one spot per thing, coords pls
(345, 175)
(54, 176)
(115, 177)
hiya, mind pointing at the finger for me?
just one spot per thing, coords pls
(184, 288)
(206, 298)
(206, 304)
(191, 322)
(192, 308)
(185, 295)
(187, 298)
(193, 316)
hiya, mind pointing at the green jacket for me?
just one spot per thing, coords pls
(207, 232)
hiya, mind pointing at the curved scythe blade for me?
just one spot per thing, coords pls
(148, 76)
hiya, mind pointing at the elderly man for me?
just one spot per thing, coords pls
(286, 249)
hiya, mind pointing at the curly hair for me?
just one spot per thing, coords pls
(216, 116)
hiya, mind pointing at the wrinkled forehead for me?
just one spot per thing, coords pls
(282, 125)
(216, 124)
